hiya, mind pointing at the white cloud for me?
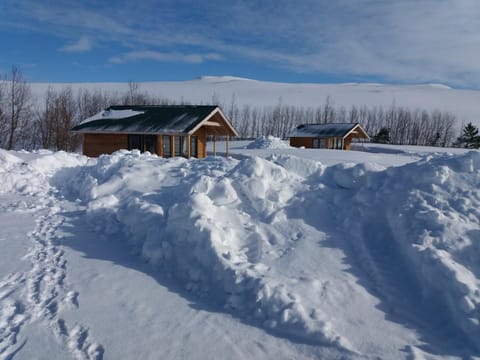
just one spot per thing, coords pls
(164, 57)
(82, 45)
(401, 40)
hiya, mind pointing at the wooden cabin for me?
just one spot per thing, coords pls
(327, 136)
(165, 130)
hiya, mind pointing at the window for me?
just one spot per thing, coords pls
(150, 143)
(184, 146)
(319, 143)
(193, 146)
(331, 143)
(178, 146)
(142, 143)
(167, 149)
(135, 142)
(339, 143)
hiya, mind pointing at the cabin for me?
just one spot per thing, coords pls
(327, 136)
(165, 130)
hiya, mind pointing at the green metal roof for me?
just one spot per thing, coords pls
(166, 119)
(322, 130)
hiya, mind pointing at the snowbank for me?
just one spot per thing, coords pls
(268, 142)
(197, 220)
(269, 239)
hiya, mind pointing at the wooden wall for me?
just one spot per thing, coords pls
(202, 142)
(348, 141)
(98, 144)
(299, 142)
(159, 145)
(307, 142)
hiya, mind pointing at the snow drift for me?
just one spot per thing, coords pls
(268, 142)
(292, 245)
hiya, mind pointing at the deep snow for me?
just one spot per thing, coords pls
(277, 252)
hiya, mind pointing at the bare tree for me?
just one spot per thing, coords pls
(16, 108)
(56, 120)
(328, 110)
(3, 115)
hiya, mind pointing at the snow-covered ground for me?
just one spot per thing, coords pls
(275, 252)
(227, 89)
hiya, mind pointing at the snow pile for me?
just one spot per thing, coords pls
(268, 142)
(436, 222)
(299, 248)
(198, 220)
(430, 209)
(28, 173)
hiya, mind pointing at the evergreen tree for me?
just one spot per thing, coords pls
(382, 137)
(469, 138)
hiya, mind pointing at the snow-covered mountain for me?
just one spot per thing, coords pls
(277, 252)
(225, 89)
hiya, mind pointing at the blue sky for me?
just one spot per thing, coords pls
(402, 41)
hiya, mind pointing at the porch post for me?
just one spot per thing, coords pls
(188, 146)
(214, 145)
(159, 145)
(227, 145)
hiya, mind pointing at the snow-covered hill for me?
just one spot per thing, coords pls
(462, 103)
(272, 253)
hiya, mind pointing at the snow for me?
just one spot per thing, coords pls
(268, 142)
(275, 252)
(112, 114)
(227, 90)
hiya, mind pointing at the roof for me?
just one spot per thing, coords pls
(325, 130)
(165, 119)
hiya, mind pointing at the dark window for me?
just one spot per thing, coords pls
(167, 149)
(178, 146)
(150, 143)
(135, 142)
(142, 143)
(320, 143)
(184, 146)
(339, 143)
(193, 146)
(331, 143)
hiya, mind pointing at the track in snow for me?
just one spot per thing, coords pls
(389, 277)
(42, 293)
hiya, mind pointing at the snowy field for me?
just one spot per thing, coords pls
(227, 89)
(273, 253)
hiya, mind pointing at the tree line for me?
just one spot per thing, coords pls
(405, 126)
(30, 123)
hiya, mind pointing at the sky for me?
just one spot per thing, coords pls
(318, 41)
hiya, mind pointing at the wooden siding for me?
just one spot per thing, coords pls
(159, 146)
(98, 144)
(330, 143)
(348, 141)
(202, 142)
(299, 142)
